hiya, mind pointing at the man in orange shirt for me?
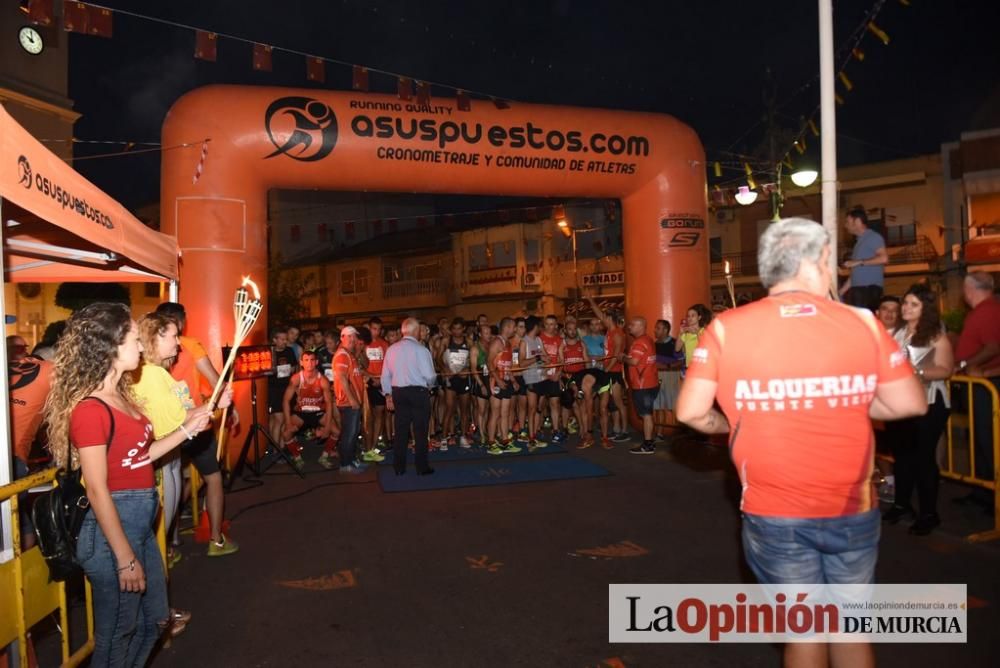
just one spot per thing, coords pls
(800, 400)
(348, 385)
(643, 380)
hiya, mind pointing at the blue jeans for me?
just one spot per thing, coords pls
(126, 624)
(829, 550)
(350, 427)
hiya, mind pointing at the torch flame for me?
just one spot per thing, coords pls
(727, 267)
(247, 281)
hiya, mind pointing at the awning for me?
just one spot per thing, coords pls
(57, 226)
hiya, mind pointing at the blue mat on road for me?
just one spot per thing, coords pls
(494, 471)
(459, 454)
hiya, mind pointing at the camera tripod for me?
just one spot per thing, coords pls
(257, 466)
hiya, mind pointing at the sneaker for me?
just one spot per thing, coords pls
(442, 446)
(547, 424)
(896, 513)
(326, 461)
(510, 446)
(523, 435)
(541, 443)
(925, 524)
(558, 437)
(173, 557)
(620, 437)
(464, 442)
(644, 449)
(495, 449)
(606, 443)
(573, 427)
(298, 463)
(223, 547)
(372, 456)
(585, 442)
(355, 468)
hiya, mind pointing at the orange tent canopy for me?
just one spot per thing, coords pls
(57, 226)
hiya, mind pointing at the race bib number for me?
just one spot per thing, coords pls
(374, 354)
(283, 371)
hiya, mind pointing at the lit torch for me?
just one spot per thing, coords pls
(245, 312)
(729, 284)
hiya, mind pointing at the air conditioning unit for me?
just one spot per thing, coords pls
(532, 279)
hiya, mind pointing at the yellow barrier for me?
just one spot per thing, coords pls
(971, 478)
(25, 581)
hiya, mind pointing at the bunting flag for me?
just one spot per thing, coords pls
(41, 12)
(99, 21)
(423, 93)
(315, 69)
(462, 98)
(812, 126)
(787, 162)
(205, 45)
(500, 104)
(360, 78)
(858, 54)
(404, 88)
(878, 32)
(76, 18)
(844, 80)
(262, 57)
(200, 167)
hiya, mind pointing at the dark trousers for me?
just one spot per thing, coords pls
(982, 406)
(865, 296)
(413, 409)
(914, 446)
(350, 427)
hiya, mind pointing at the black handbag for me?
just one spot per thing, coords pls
(58, 516)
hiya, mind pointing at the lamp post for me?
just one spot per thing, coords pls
(570, 232)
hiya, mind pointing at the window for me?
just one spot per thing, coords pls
(532, 253)
(477, 257)
(353, 281)
(715, 249)
(901, 235)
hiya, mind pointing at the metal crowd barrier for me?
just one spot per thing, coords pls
(949, 470)
(24, 581)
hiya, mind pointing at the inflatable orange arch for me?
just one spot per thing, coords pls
(262, 138)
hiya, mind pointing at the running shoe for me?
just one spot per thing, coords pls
(573, 427)
(558, 437)
(523, 434)
(225, 546)
(464, 442)
(585, 442)
(442, 446)
(606, 443)
(355, 468)
(644, 449)
(495, 448)
(510, 446)
(372, 456)
(620, 437)
(540, 443)
(326, 461)
(298, 463)
(547, 424)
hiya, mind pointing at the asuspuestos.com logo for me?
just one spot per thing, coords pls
(527, 136)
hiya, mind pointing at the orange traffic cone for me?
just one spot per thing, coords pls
(203, 532)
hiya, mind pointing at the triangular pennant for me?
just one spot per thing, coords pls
(315, 69)
(205, 45)
(464, 103)
(99, 22)
(404, 88)
(75, 17)
(500, 104)
(360, 78)
(262, 57)
(423, 92)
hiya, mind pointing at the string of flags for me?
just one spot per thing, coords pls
(724, 193)
(88, 18)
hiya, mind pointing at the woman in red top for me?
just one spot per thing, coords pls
(94, 423)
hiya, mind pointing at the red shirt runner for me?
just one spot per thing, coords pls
(614, 336)
(128, 454)
(573, 356)
(505, 360)
(345, 362)
(796, 375)
(310, 394)
(643, 376)
(375, 352)
(551, 346)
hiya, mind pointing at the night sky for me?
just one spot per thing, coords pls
(704, 62)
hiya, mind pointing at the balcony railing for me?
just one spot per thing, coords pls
(422, 286)
(745, 264)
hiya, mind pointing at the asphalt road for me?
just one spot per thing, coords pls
(332, 571)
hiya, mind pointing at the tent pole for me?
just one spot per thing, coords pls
(6, 538)
(172, 291)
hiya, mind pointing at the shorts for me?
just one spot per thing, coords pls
(375, 397)
(670, 386)
(275, 399)
(202, 451)
(522, 387)
(643, 400)
(616, 377)
(826, 550)
(547, 388)
(568, 398)
(478, 390)
(503, 392)
(458, 384)
(310, 419)
(600, 379)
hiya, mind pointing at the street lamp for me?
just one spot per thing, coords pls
(745, 196)
(570, 232)
(804, 177)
